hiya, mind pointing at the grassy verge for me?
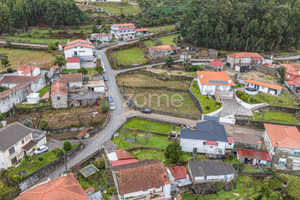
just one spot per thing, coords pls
(161, 28)
(276, 116)
(148, 126)
(205, 101)
(44, 90)
(130, 56)
(72, 71)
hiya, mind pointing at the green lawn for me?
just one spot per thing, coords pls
(268, 78)
(154, 140)
(44, 90)
(72, 71)
(238, 86)
(161, 28)
(285, 99)
(116, 8)
(276, 116)
(166, 40)
(28, 106)
(130, 56)
(204, 100)
(148, 125)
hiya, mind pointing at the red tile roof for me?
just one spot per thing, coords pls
(79, 41)
(141, 176)
(245, 55)
(292, 65)
(283, 136)
(296, 81)
(216, 63)
(83, 132)
(67, 78)
(178, 172)
(54, 67)
(214, 78)
(122, 154)
(163, 48)
(123, 162)
(213, 143)
(104, 34)
(60, 188)
(256, 59)
(275, 87)
(78, 45)
(58, 87)
(127, 24)
(141, 29)
(230, 140)
(46, 95)
(73, 59)
(15, 79)
(258, 155)
(26, 69)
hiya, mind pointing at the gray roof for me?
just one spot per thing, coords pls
(109, 146)
(207, 130)
(11, 134)
(209, 168)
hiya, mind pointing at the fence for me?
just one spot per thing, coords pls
(42, 172)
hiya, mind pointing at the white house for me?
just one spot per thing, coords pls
(210, 83)
(209, 138)
(72, 80)
(283, 145)
(73, 63)
(230, 144)
(216, 65)
(79, 48)
(207, 171)
(28, 70)
(102, 37)
(263, 87)
(142, 179)
(244, 61)
(141, 31)
(16, 141)
(59, 94)
(33, 98)
(123, 31)
(96, 86)
(249, 156)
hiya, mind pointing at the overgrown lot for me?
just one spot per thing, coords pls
(278, 117)
(117, 8)
(166, 40)
(134, 55)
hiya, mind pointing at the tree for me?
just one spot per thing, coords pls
(173, 152)
(59, 61)
(46, 76)
(9, 70)
(8, 43)
(169, 61)
(51, 47)
(67, 145)
(281, 71)
(4, 61)
(60, 153)
(99, 69)
(28, 123)
(43, 125)
(94, 29)
(99, 21)
(157, 42)
(83, 70)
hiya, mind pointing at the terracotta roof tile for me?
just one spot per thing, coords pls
(83, 132)
(123, 162)
(127, 24)
(214, 78)
(178, 172)
(141, 176)
(78, 45)
(292, 65)
(103, 34)
(15, 79)
(283, 136)
(230, 140)
(79, 41)
(122, 154)
(216, 63)
(162, 48)
(60, 188)
(73, 59)
(264, 84)
(141, 29)
(67, 78)
(26, 69)
(245, 55)
(58, 87)
(258, 155)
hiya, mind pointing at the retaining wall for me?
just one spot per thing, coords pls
(250, 106)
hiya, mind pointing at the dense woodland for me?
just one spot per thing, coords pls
(258, 25)
(24, 13)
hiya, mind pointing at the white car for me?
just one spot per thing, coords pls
(41, 149)
(112, 106)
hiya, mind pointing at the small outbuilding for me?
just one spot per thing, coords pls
(33, 98)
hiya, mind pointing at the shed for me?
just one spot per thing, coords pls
(33, 98)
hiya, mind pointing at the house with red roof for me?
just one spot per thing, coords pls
(101, 37)
(141, 31)
(292, 70)
(79, 48)
(28, 70)
(162, 50)
(294, 84)
(65, 187)
(73, 63)
(124, 31)
(253, 157)
(178, 175)
(263, 87)
(244, 61)
(120, 157)
(283, 145)
(59, 94)
(216, 65)
(210, 83)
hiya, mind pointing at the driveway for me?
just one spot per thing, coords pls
(232, 107)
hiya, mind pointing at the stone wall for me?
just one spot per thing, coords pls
(196, 101)
(257, 124)
(43, 172)
(267, 70)
(282, 109)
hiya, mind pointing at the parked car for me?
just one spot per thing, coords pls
(147, 111)
(104, 69)
(105, 78)
(109, 99)
(99, 47)
(41, 149)
(112, 106)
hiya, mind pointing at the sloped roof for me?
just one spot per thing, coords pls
(123, 154)
(103, 34)
(230, 140)
(296, 81)
(11, 134)
(292, 65)
(79, 45)
(209, 168)
(79, 41)
(247, 138)
(123, 162)
(214, 78)
(73, 59)
(141, 176)
(245, 55)
(162, 48)
(264, 84)
(58, 87)
(206, 130)
(258, 155)
(283, 136)
(67, 78)
(26, 69)
(178, 172)
(60, 188)
(82, 132)
(216, 63)
(126, 24)
(141, 29)
(15, 79)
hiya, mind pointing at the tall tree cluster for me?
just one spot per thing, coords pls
(25, 13)
(258, 25)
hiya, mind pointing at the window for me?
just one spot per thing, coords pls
(14, 160)
(58, 98)
(11, 150)
(297, 153)
(204, 143)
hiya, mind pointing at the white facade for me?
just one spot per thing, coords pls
(220, 178)
(73, 65)
(126, 33)
(80, 51)
(35, 72)
(189, 144)
(166, 190)
(211, 89)
(240, 61)
(74, 84)
(102, 38)
(264, 89)
(33, 98)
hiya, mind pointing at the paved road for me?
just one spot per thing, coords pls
(288, 58)
(26, 44)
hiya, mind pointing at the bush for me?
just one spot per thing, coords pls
(282, 178)
(43, 125)
(9, 70)
(83, 70)
(67, 146)
(173, 152)
(60, 153)
(218, 104)
(244, 98)
(99, 163)
(40, 158)
(105, 195)
(274, 184)
(111, 191)
(207, 107)
(194, 68)
(28, 123)
(230, 156)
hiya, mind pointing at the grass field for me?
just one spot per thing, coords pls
(164, 100)
(204, 100)
(117, 8)
(142, 80)
(276, 116)
(44, 90)
(154, 140)
(41, 58)
(161, 28)
(130, 56)
(166, 40)
(72, 71)
(148, 125)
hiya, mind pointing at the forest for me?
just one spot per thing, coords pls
(15, 14)
(252, 25)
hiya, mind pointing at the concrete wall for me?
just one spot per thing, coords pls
(3, 164)
(188, 145)
(59, 101)
(249, 106)
(81, 51)
(75, 84)
(208, 179)
(73, 66)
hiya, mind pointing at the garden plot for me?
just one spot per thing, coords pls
(278, 117)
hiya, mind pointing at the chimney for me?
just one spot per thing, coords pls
(229, 81)
(201, 76)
